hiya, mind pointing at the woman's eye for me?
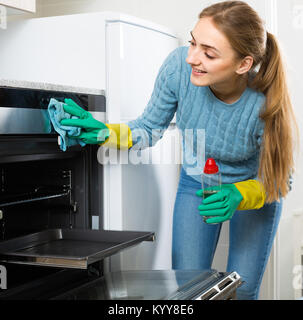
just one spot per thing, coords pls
(192, 43)
(209, 57)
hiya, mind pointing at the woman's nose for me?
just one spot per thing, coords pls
(193, 58)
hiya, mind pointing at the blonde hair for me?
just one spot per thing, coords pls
(246, 33)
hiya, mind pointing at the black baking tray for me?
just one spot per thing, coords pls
(68, 248)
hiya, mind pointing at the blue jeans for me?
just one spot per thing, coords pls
(250, 240)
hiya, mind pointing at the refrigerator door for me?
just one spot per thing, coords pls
(139, 196)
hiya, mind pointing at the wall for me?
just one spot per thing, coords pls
(290, 35)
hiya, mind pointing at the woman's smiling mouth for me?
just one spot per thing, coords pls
(198, 72)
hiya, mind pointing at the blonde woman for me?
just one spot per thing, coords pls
(229, 82)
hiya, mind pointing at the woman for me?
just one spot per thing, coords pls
(230, 83)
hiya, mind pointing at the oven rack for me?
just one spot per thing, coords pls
(36, 195)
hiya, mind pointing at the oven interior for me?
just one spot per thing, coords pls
(45, 191)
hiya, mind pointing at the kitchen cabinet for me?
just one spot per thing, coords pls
(24, 5)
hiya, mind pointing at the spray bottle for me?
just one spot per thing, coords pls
(211, 177)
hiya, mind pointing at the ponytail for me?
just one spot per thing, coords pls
(276, 159)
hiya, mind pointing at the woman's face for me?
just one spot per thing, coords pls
(210, 55)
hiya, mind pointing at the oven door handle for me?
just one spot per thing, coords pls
(231, 282)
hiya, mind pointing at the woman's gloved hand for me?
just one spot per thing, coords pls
(93, 131)
(220, 206)
(243, 195)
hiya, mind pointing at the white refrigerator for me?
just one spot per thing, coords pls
(120, 55)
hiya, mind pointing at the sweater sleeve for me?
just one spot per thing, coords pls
(148, 128)
(259, 132)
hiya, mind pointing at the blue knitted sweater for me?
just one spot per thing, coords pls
(229, 133)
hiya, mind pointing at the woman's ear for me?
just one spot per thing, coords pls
(245, 65)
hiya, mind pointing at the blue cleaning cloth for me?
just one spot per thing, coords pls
(56, 114)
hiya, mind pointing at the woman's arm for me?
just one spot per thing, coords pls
(147, 129)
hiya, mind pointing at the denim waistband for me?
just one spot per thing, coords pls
(189, 181)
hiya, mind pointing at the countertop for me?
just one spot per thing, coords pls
(48, 86)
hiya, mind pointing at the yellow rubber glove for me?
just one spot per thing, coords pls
(120, 136)
(253, 194)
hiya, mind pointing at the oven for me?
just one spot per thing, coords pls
(48, 201)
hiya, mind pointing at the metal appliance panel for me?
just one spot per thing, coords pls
(22, 121)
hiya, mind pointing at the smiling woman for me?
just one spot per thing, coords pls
(228, 42)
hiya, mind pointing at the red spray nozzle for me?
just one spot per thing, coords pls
(210, 166)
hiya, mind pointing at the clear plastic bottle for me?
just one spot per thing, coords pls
(211, 177)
